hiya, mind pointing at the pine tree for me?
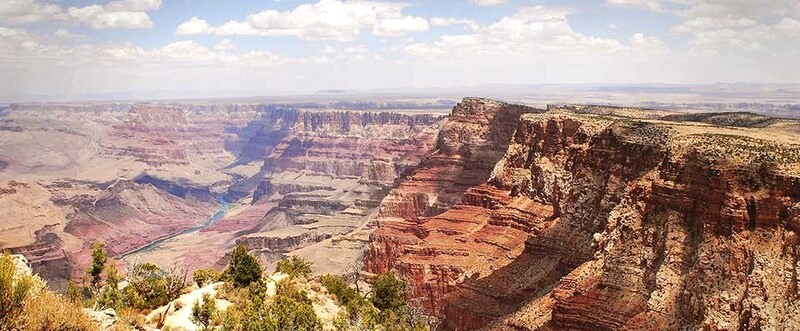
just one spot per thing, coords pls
(388, 292)
(202, 313)
(99, 258)
(243, 267)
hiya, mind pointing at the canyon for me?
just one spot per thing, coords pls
(147, 179)
(497, 215)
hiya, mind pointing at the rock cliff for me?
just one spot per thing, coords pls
(471, 141)
(326, 170)
(598, 221)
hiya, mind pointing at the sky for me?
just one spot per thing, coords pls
(190, 48)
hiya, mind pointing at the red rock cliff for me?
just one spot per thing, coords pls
(603, 222)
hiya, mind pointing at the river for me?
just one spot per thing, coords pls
(218, 215)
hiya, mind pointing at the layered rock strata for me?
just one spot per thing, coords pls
(325, 171)
(608, 222)
(471, 141)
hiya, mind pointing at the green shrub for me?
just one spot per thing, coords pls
(202, 313)
(25, 304)
(74, 293)
(99, 259)
(345, 295)
(110, 295)
(279, 313)
(388, 292)
(13, 291)
(289, 289)
(289, 314)
(294, 266)
(150, 287)
(204, 277)
(289, 309)
(243, 268)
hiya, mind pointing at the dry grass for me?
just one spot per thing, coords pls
(50, 311)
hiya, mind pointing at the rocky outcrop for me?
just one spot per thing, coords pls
(266, 188)
(177, 314)
(471, 141)
(609, 222)
(47, 257)
(281, 242)
(104, 319)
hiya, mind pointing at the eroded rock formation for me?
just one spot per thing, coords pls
(325, 171)
(613, 222)
(471, 141)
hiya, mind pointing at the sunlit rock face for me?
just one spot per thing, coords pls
(609, 219)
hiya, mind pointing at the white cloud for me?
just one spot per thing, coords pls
(194, 26)
(531, 30)
(705, 23)
(356, 49)
(488, 2)
(727, 41)
(20, 48)
(99, 17)
(647, 44)
(449, 21)
(717, 25)
(224, 45)
(394, 27)
(122, 14)
(755, 9)
(762, 37)
(26, 11)
(328, 49)
(726, 9)
(67, 35)
(133, 5)
(325, 20)
(714, 25)
(653, 5)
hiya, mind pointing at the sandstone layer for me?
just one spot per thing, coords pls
(604, 220)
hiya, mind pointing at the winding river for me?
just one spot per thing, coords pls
(218, 215)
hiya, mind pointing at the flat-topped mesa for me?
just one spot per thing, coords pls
(595, 221)
(176, 135)
(471, 141)
(611, 110)
(264, 134)
(144, 116)
(370, 146)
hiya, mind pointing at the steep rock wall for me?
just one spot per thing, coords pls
(628, 224)
(471, 141)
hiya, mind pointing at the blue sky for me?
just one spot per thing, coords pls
(258, 47)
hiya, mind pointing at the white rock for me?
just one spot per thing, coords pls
(104, 319)
(180, 319)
